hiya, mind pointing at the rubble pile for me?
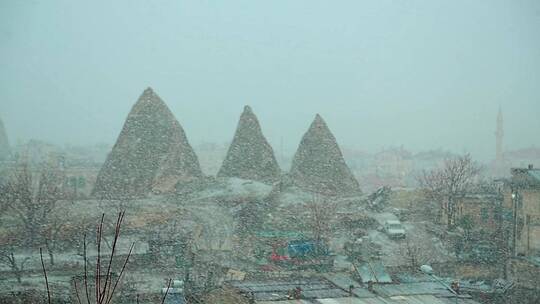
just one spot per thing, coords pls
(250, 156)
(151, 154)
(379, 199)
(319, 166)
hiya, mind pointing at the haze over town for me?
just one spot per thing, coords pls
(270, 152)
(420, 74)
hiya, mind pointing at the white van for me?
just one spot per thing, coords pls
(394, 229)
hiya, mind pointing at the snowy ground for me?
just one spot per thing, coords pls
(426, 247)
(209, 215)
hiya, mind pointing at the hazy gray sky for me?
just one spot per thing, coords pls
(425, 74)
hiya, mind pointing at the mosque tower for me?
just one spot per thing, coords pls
(499, 134)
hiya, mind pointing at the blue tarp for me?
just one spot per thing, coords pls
(306, 248)
(301, 248)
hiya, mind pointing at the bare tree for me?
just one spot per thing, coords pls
(33, 202)
(52, 234)
(16, 264)
(8, 247)
(450, 183)
(415, 254)
(320, 213)
(105, 283)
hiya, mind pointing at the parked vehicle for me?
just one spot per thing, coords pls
(394, 229)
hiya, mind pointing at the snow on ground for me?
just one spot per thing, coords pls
(381, 217)
(294, 196)
(210, 215)
(228, 188)
(426, 247)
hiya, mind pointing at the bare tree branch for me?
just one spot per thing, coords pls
(45, 275)
(450, 183)
(320, 212)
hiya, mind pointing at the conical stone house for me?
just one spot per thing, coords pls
(4, 143)
(318, 165)
(250, 156)
(151, 154)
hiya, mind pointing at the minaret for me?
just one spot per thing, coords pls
(499, 134)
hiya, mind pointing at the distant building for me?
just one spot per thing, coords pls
(522, 157)
(522, 210)
(483, 209)
(522, 199)
(394, 166)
